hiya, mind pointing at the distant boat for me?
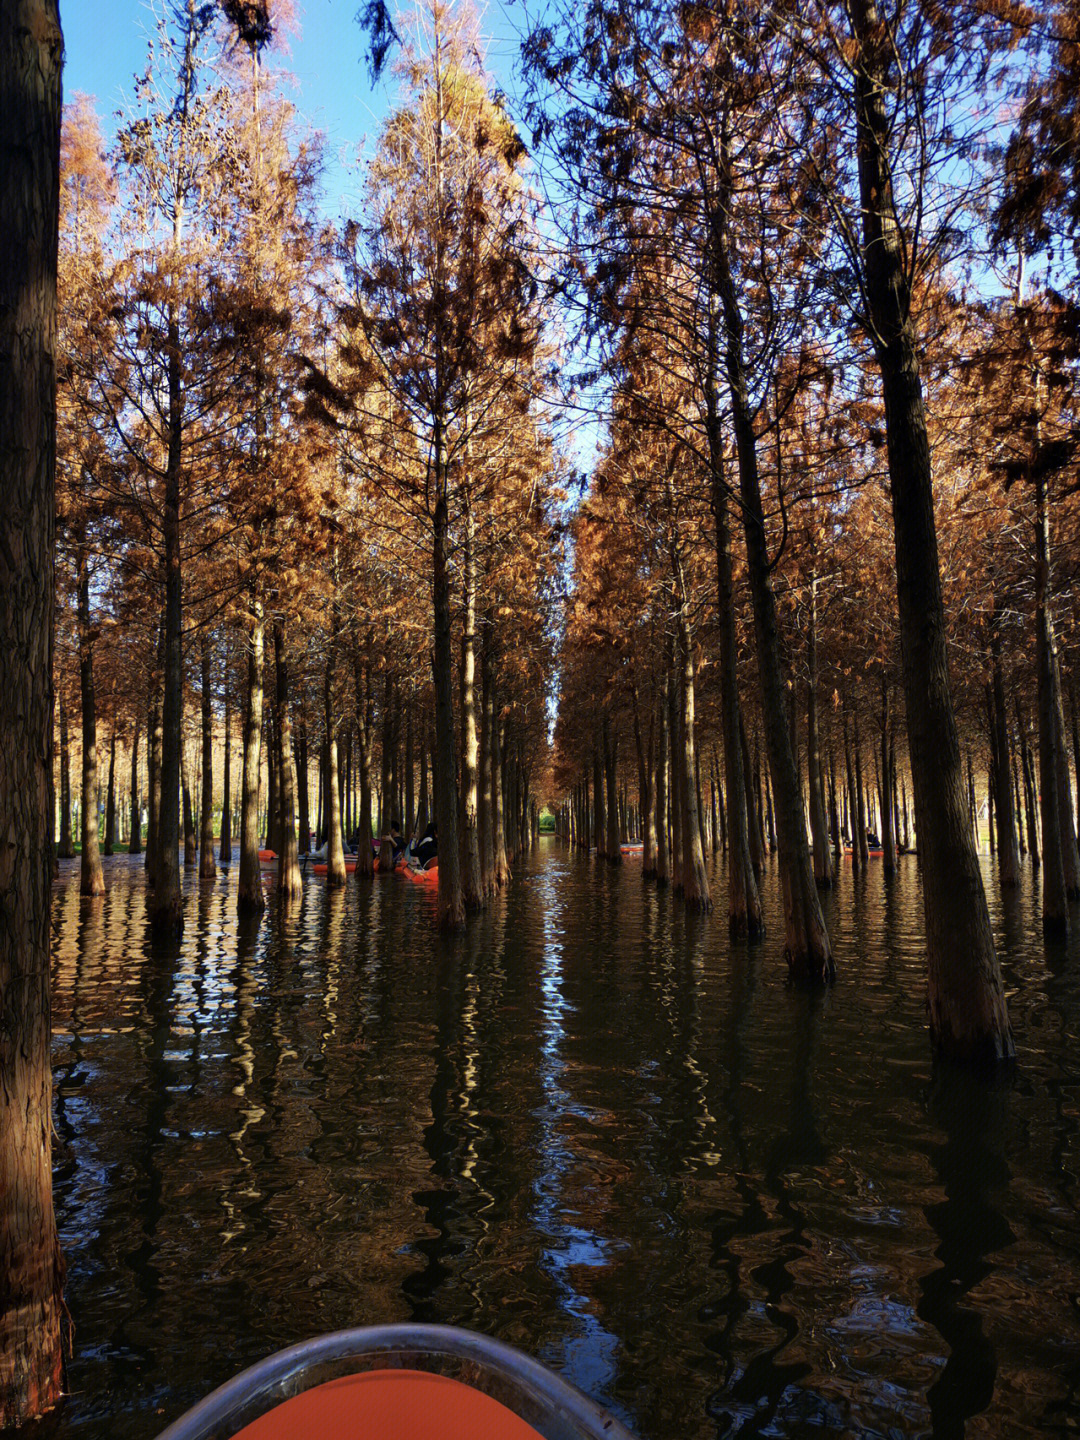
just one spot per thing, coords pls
(398, 1382)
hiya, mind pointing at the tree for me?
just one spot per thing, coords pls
(31, 1265)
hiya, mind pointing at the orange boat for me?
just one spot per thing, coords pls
(398, 1382)
(320, 867)
(428, 876)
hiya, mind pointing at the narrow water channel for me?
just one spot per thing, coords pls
(592, 1127)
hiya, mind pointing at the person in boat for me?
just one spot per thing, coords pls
(872, 841)
(397, 837)
(427, 847)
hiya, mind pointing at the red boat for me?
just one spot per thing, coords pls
(398, 1382)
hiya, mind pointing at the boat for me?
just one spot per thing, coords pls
(634, 848)
(875, 851)
(398, 1382)
(422, 875)
(321, 867)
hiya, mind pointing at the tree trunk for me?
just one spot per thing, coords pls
(485, 811)
(289, 881)
(861, 842)
(695, 878)
(207, 867)
(302, 793)
(135, 827)
(1007, 855)
(968, 1015)
(250, 897)
(189, 816)
(91, 877)
(31, 1266)
(335, 850)
(823, 870)
(663, 851)
(646, 793)
(225, 844)
(450, 905)
(611, 812)
(498, 821)
(110, 796)
(167, 904)
(471, 888)
(66, 845)
(365, 858)
(888, 847)
(153, 781)
(1055, 908)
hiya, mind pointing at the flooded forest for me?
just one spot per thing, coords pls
(540, 722)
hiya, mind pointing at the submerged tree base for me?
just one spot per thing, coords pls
(810, 970)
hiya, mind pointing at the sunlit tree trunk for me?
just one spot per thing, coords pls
(471, 887)
(91, 877)
(968, 1015)
(335, 850)
(365, 858)
(450, 906)
(65, 848)
(823, 870)
(207, 867)
(486, 797)
(225, 842)
(498, 818)
(1007, 854)
(695, 879)
(250, 897)
(153, 781)
(31, 1266)
(861, 842)
(110, 796)
(289, 881)
(189, 816)
(135, 827)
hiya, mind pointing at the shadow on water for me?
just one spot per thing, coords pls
(592, 1126)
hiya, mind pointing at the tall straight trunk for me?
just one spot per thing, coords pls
(695, 878)
(1028, 770)
(450, 905)
(498, 821)
(1018, 807)
(250, 897)
(663, 850)
(968, 1015)
(675, 771)
(834, 809)
(1008, 857)
(611, 761)
(207, 867)
(335, 850)
(722, 810)
(484, 814)
(1070, 857)
(31, 1265)
(166, 905)
(744, 902)
(225, 844)
(302, 792)
(386, 756)
(472, 891)
(289, 882)
(861, 842)
(753, 818)
(1055, 917)
(365, 858)
(153, 780)
(423, 804)
(135, 827)
(1075, 747)
(189, 814)
(91, 877)
(110, 796)
(410, 771)
(65, 848)
(822, 856)
(600, 830)
(646, 791)
(888, 846)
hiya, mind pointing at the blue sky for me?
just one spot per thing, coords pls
(105, 43)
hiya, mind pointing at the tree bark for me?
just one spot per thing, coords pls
(189, 815)
(207, 867)
(1007, 854)
(135, 827)
(365, 857)
(823, 870)
(663, 844)
(968, 1015)
(91, 876)
(611, 761)
(695, 878)
(225, 843)
(486, 797)
(290, 884)
(31, 1265)
(109, 846)
(66, 845)
(250, 897)
(450, 904)
(469, 838)
(335, 850)
(888, 846)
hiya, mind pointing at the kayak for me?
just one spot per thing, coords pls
(874, 852)
(631, 849)
(428, 876)
(320, 867)
(398, 1382)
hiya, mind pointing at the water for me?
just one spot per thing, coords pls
(592, 1127)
